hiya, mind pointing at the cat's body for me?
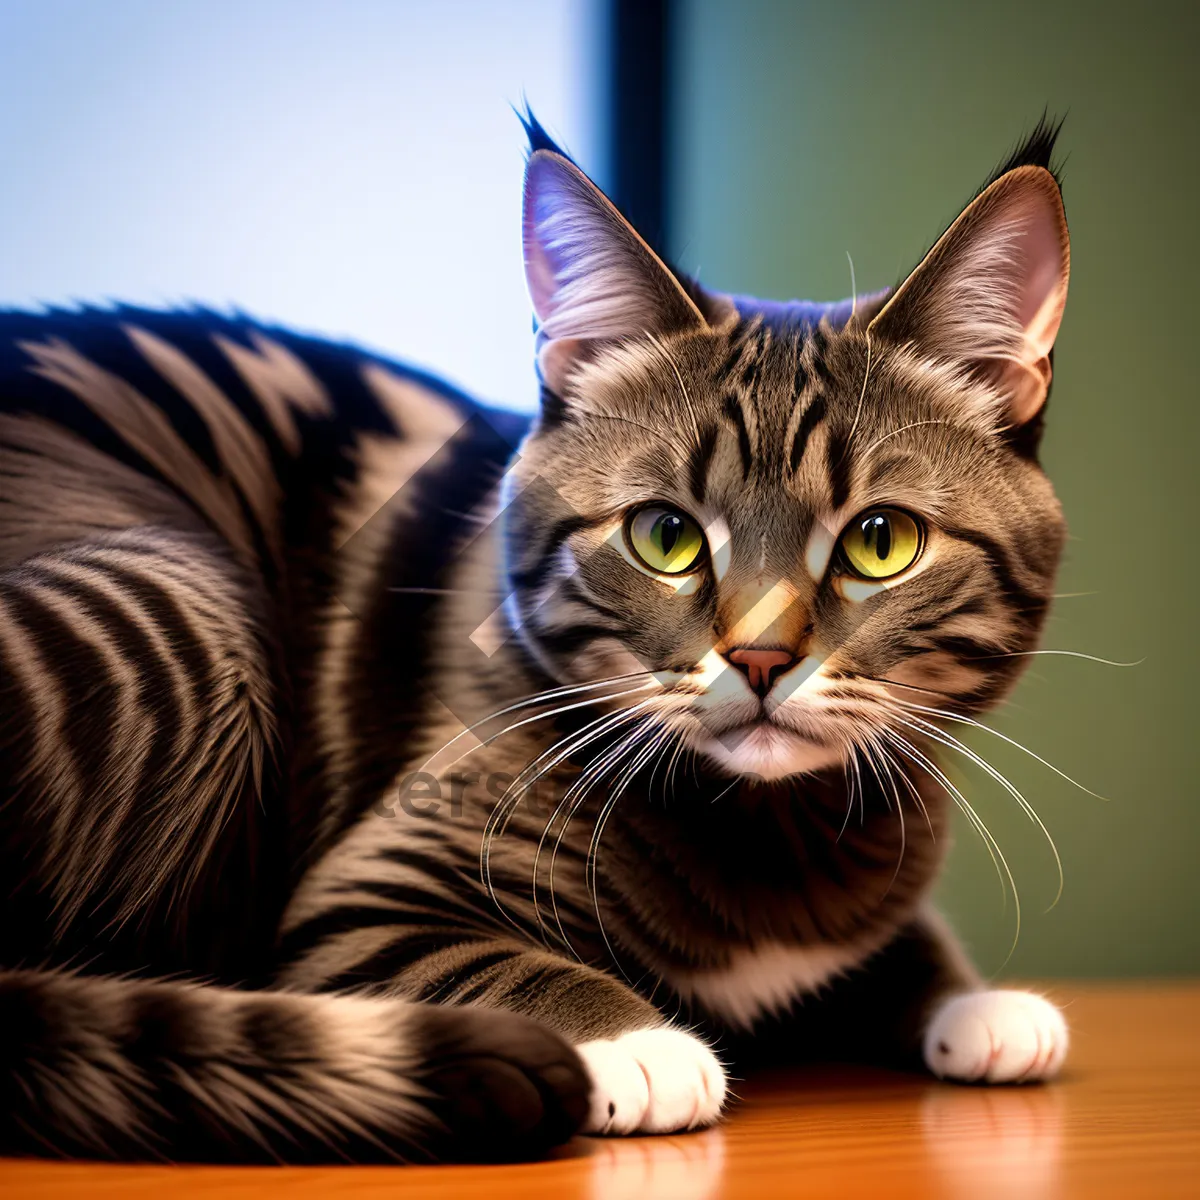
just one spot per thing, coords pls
(338, 437)
(308, 683)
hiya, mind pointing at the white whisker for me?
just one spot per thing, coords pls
(521, 785)
(542, 716)
(861, 397)
(993, 847)
(638, 761)
(687, 400)
(871, 744)
(962, 720)
(911, 425)
(945, 739)
(577, 795)
(535, 698)
(597, 730)
(507, 804)
(913, 791)
(849, 798)
(1106, 662)
(599, 416)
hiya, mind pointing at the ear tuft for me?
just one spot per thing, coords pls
(1036, 149)
(539, 139)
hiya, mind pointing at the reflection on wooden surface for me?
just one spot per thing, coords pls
(691, 1167)
(1125, 1121)
(995, 1141)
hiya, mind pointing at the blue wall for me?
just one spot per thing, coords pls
(349, 167)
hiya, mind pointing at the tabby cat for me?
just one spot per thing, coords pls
(385, 776)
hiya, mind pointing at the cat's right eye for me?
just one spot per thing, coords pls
(665, 540)
(881, 543)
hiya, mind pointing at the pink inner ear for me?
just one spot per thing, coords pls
(990, 295)
(1042, 290)
(1041, 266)
(1025, 387)
(542, 193)
(590, 276)
(585, 275)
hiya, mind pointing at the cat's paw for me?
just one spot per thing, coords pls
(652, 1081)
(996, 1037)
(496, 1084)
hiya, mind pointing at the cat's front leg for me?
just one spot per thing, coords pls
(974, 1034)
(648, 1075)
(919, 1000)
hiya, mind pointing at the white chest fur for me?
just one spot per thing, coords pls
(764, 979)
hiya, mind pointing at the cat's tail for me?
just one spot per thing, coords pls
(126, 1068)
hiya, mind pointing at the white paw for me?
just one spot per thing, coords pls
(1000, 1037)
(652, 1081)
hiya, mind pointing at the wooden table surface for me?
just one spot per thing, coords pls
(1123, 1121)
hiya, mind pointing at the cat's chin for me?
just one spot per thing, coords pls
(766, 751)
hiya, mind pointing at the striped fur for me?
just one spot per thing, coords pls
(333, 687)
(182, 728)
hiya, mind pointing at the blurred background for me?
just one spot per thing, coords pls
(354, 169)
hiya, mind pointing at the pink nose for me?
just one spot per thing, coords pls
(761, 666)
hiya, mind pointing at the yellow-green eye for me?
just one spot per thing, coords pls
(665, 539)
(881, 543)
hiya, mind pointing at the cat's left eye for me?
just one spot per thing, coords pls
(666, 540)
(880, 543)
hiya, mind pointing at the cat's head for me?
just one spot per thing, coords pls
(803, 519)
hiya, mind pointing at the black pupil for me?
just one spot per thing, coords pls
(670, 529)
(877, 536)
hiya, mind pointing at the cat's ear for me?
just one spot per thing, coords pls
(989, 297)
(591, 277)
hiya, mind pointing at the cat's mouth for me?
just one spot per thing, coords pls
(762, 747)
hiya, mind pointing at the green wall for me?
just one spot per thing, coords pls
(804, 131)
